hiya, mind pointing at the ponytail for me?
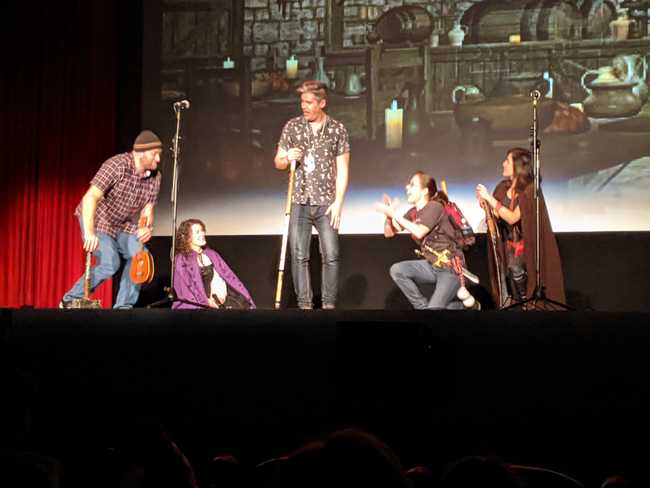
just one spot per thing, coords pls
(428, 182)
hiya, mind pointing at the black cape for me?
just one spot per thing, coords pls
(550, 263)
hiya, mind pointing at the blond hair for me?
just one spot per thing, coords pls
(318, 88)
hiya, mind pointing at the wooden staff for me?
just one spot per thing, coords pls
(86, 301)
(89, 256)
(285, 235)
(494, 238)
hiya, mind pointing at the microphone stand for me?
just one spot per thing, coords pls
(538, 300)
(536, 167)
(169, 290)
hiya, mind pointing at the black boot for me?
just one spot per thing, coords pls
(518, 279)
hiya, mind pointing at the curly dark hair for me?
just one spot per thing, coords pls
(184, 236)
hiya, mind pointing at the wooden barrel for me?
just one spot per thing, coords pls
(596, 16)
(534, 20)
(409, 23)
(493, 21)
(558, 20)
(530, 19)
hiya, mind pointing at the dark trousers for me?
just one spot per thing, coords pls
(303, 218)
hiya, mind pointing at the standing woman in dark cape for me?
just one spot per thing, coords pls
(513, 204)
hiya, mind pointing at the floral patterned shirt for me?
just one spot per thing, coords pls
(315, 182)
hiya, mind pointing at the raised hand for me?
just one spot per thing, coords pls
(482, 193)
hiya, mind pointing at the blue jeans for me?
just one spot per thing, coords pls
(407, 275)
(108, 255)
(303, 217)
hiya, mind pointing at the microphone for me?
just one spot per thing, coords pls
(182, 105)
(536, 94)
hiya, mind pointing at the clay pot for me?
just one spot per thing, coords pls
(467, 94)
(611, 100)
(620, 28)
(608, 96)
(457, 34)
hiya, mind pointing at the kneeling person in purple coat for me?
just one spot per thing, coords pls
(202, 279)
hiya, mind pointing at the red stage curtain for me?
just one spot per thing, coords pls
(58, 125)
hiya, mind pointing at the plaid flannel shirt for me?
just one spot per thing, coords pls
(125, 195)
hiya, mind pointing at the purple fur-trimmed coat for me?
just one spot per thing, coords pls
(188, 284)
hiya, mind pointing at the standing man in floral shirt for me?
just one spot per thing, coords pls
(124, 190)
(320, 145)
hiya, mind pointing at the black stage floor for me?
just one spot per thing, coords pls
(562, 389)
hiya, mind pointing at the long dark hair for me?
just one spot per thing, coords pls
(184, 236)
(522, 169)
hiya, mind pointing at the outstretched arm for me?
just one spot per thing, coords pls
(88, 208)
(229, 276)
(418, 230)
(510, 216)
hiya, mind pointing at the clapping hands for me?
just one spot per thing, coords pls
(387, 206)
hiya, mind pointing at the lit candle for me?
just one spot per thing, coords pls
(292, 68)
(515, 38)
(547, 76)
(394, 117)
(228, 63)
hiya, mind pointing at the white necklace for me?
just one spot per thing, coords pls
(310, 159)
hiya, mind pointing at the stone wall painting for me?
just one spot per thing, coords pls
(462, 71)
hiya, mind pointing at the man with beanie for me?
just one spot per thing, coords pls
(124, 190)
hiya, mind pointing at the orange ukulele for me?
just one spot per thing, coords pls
(142, 267)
